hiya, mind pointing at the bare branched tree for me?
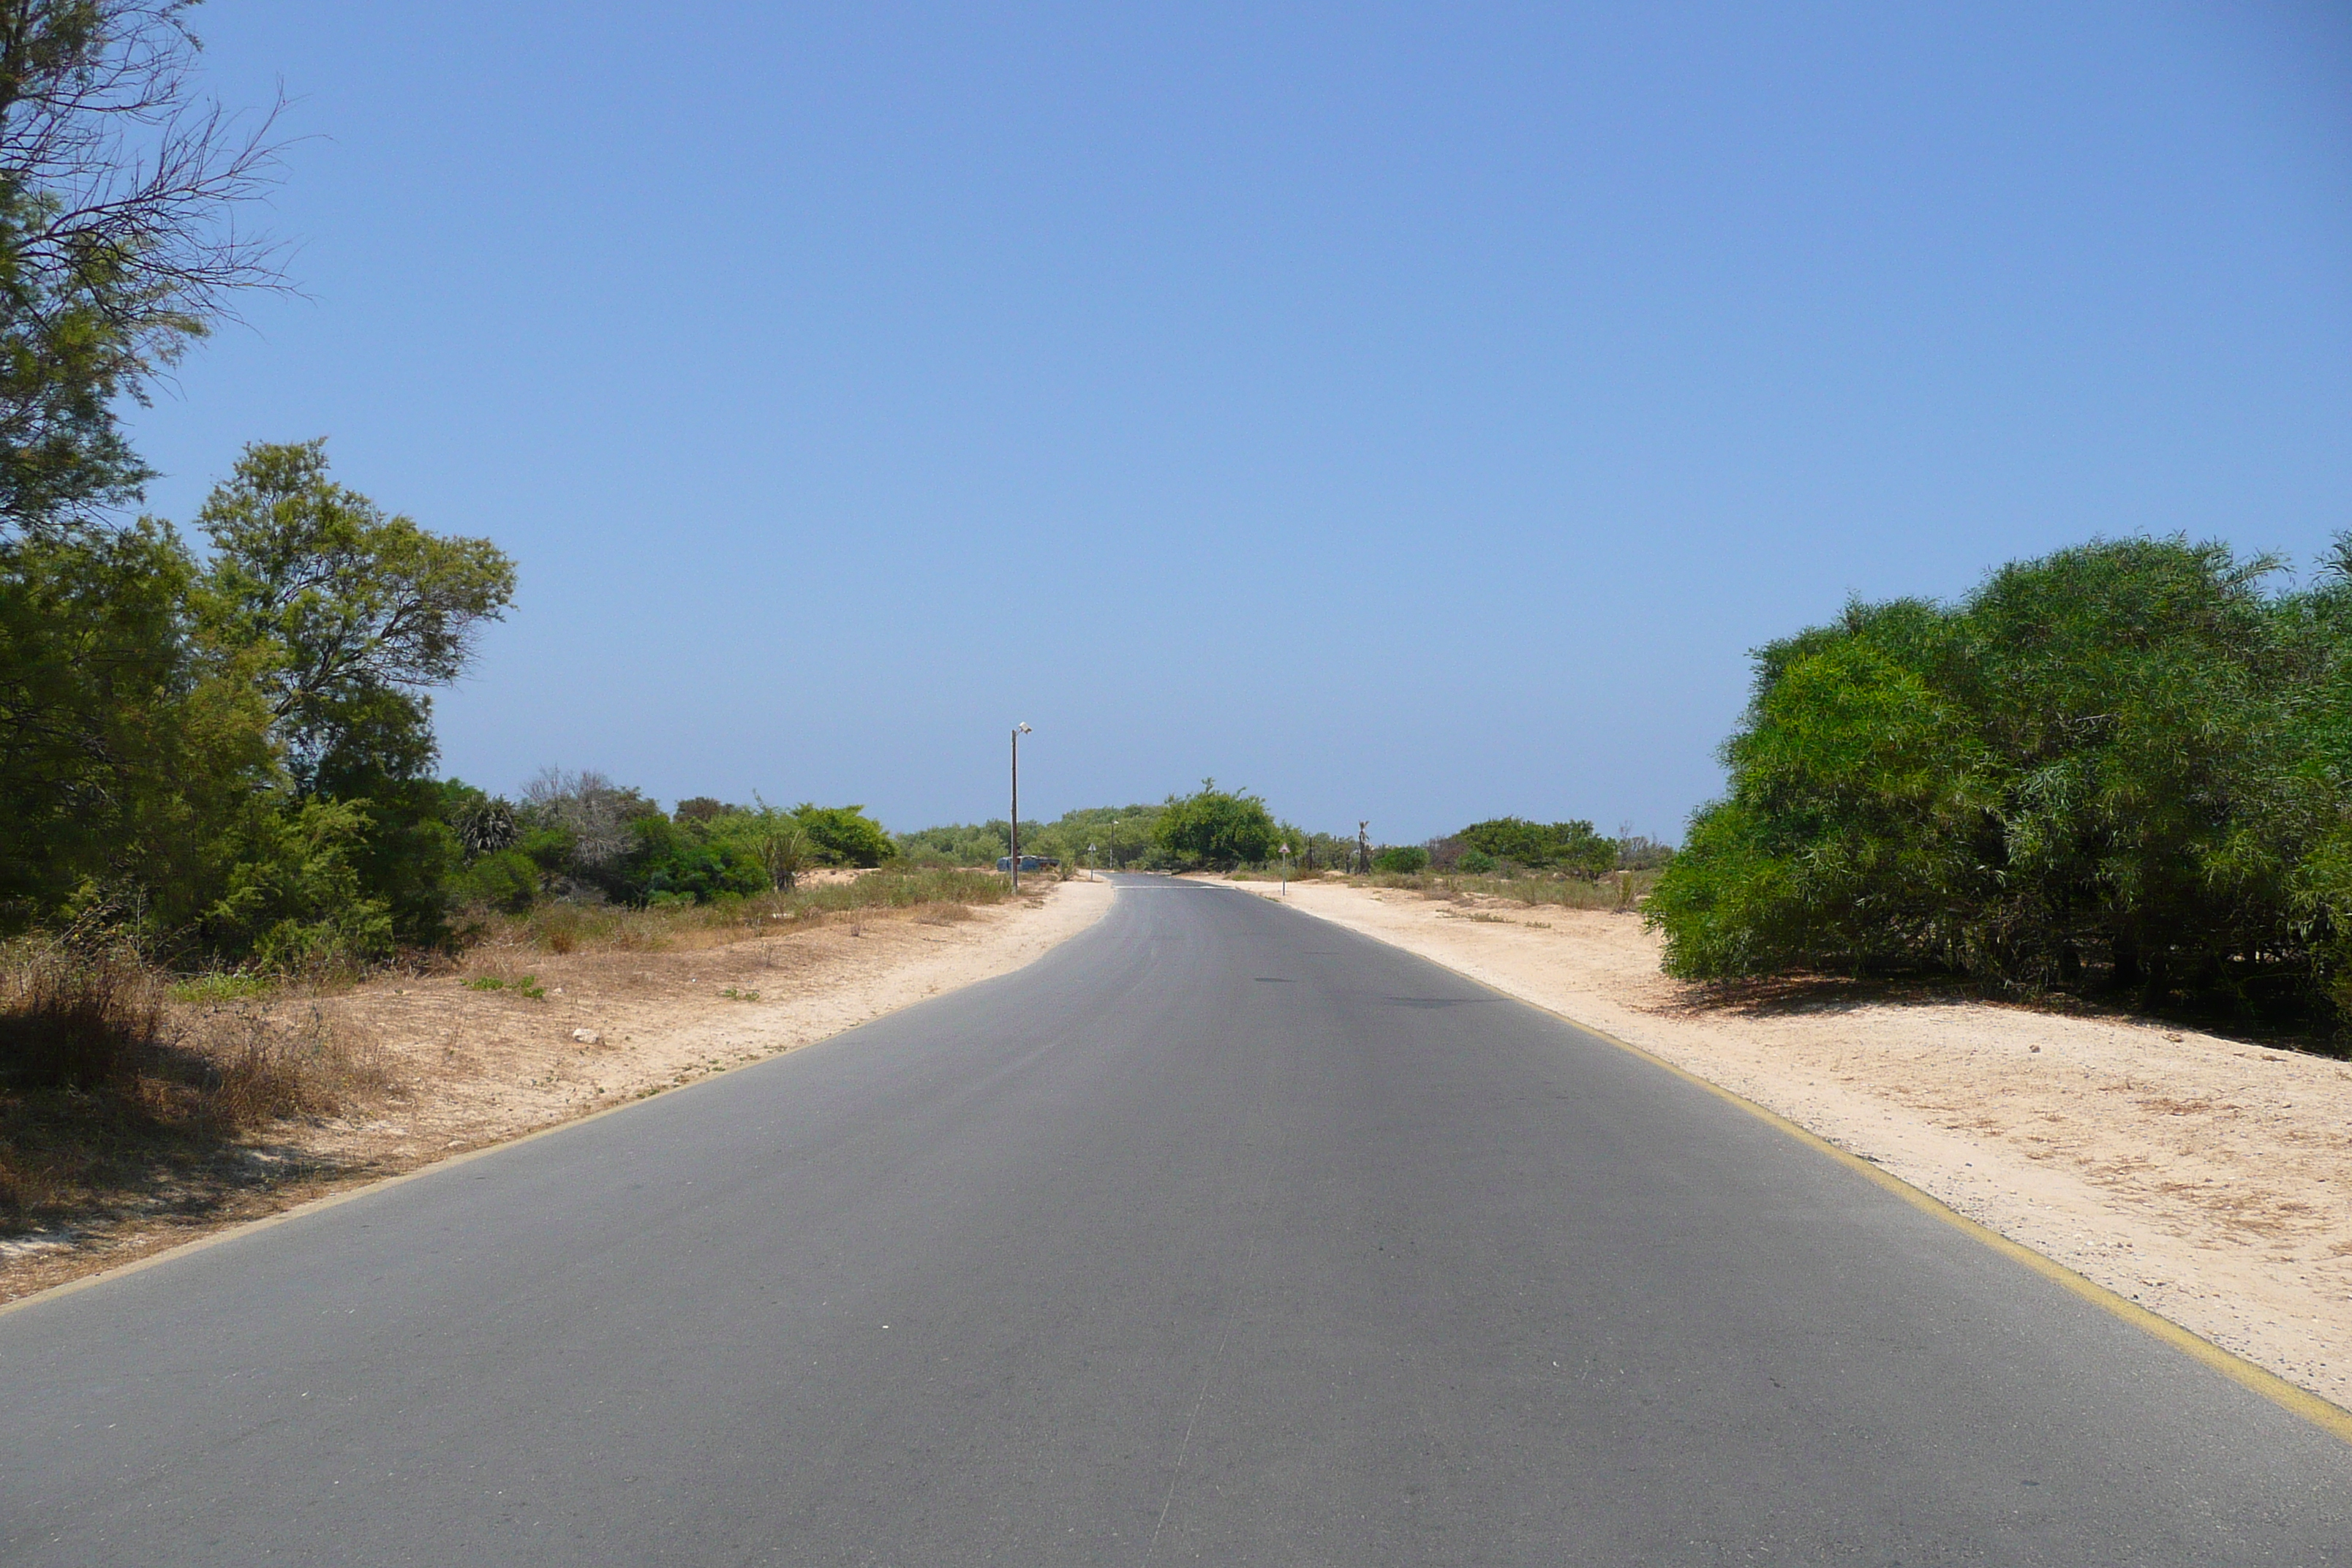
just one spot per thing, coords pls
(119, 245)
(594, 810)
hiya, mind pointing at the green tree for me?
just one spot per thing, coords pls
(845, 835)
(347, 618)
(1214, 828)
(685, 862)
(2124, 764)
(293, 898)
(116, 184)
(128, 751)
(358, 614)
(774, 839)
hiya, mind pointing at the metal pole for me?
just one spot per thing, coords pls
(1016, 808)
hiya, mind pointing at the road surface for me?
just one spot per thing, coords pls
(1220, 1235)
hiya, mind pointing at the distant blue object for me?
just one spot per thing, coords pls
(1029, 863)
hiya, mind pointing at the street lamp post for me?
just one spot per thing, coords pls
(1018, 731)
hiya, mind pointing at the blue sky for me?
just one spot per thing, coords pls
(1410, 413)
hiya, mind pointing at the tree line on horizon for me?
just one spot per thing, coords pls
(1218, 829)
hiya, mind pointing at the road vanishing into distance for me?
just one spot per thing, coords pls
(1219, 1235)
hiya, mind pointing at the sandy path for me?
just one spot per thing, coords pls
(2208, 1178)
(476, 1068)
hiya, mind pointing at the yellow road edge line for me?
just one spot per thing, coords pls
(2329, 1418)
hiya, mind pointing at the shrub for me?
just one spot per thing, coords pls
(2119, 765)
(1214, 828)
(1401, 859)
(1638, 852)
(507, 881)
(845, 835)
(73, 1017)
(679, 863)
(1571, 846)
(1475, 862)
(774, 839)
(294, 901)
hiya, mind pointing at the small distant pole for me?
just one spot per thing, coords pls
(1286, 867)
(1364, 848)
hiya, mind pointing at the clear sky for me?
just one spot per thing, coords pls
(1411, 413)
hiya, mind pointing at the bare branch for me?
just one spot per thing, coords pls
(120, 187)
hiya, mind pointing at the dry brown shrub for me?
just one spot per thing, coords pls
(288, 1059)
(942, 914)
(113, 1092)
(75, 1015)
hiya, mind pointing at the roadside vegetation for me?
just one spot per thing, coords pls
(1234, 831)
(2123, 771)
(133, 1093)
(219, 792)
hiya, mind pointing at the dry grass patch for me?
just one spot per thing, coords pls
(119, 1101)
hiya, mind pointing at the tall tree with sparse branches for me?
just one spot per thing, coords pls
(119, 185)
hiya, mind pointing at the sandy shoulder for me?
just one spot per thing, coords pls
(476, 1068)
(2208, 1178)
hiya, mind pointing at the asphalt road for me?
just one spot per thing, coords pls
(1218, 1235)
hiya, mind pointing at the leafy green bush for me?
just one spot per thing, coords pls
(1570, 846)
(292, 901)
(773, 839)
(1477, 862)
(2122, 766)
(1402, 859)
(845, 835)
(1214, 828)
(680, 862)
(507, 881)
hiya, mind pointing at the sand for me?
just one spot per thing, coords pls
(2207, 1178)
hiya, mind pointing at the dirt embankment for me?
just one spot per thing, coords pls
(519, 1038)
(2207, 1178)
